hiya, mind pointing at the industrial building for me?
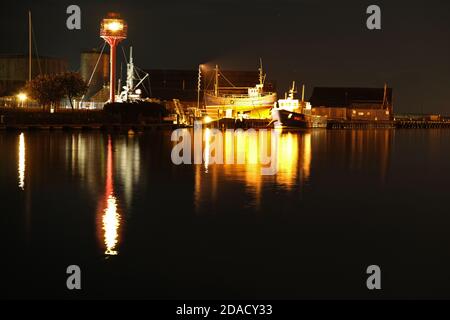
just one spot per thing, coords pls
(354, 104)
(14, 71)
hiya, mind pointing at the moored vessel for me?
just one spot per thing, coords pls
(239, 102)
(290, 113)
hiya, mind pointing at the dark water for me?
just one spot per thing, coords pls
(141, 227)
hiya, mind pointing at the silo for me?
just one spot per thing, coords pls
(100, 78)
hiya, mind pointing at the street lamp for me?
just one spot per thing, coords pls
(113, 29)
(22, 97)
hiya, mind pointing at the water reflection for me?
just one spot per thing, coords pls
(108, 169)
(128, 160)
(86, 160)
(288, 158)
(111, 219)
(207, 153)
(21, 162)
(245, 153)
(369, 150)
(307, 156)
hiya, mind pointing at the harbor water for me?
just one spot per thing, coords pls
(139, 226)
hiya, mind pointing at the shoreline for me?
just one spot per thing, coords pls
(88, 120)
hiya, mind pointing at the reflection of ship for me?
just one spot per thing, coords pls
(232, 102)
(291, 113)
(245, 154)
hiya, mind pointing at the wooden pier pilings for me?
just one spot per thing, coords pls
(398, 124)
(228, 123)
(89, 127)
(343, 124)
(416, 124)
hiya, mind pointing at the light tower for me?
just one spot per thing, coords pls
(113, 29)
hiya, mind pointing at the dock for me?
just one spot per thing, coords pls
(119, 127)
(419, 124)
(228, 123)
(361, 124)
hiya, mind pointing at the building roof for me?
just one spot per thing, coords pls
(345, 97)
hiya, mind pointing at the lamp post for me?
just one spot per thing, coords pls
(113, 29)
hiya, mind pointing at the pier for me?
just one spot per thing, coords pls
(20, 120)
(362, 124)
(228, 123)
(119, 127)
(420, 124)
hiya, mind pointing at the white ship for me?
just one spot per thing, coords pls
(130, 92)
(290, 113)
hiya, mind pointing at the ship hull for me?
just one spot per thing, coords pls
(285, 119)
(255, 107)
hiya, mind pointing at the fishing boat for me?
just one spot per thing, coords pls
(239, 102)
(130, 104)
(131, 91)
(290, 113)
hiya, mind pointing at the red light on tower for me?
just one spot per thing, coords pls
(113, 29)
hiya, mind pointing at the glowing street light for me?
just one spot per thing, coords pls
(22, 97)
(113, 29)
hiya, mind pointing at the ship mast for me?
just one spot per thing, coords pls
(303, 94)
(292, 91)
(261, 73)
(385, 96)
(216, 82)
(130, 72)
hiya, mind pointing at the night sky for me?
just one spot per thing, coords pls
(321, 43)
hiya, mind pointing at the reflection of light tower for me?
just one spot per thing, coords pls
(113, 30)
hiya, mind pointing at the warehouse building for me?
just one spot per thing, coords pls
(354, 104)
